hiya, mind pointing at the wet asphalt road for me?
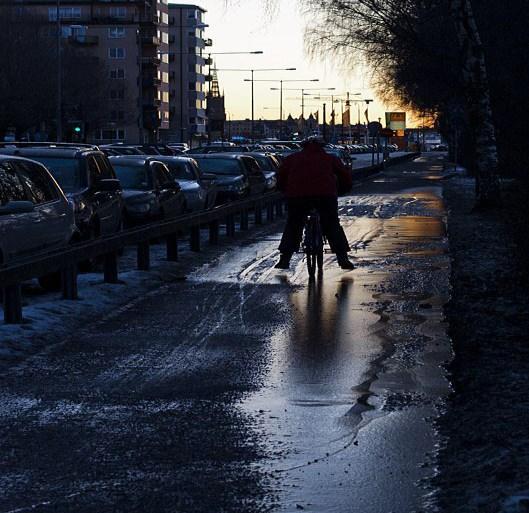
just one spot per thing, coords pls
(244, 389)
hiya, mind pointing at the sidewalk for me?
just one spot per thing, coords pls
(484, 461)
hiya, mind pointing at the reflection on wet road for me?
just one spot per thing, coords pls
(246, 389)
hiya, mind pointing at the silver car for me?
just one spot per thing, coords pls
(199, 188)
(34, 212)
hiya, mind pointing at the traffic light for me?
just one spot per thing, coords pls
(76, 131)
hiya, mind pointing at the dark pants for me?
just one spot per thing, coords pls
(298, 210)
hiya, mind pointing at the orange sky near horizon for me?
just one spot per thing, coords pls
(244, 25)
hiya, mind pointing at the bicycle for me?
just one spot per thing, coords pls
(313, 243)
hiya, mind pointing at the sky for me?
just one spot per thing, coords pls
(244, 25)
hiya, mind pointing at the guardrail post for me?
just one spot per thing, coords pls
(258, 214)
(69, 282)
(195, 238)
(214, 232)
(111, 268)
(13, 304)
(270, 212)
(230, 225)
(244, 220)
(144, 256)
(172, 247)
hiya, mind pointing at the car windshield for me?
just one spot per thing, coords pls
(220, 166)
(180, 170)
(132, 177)
(264, 163)
(66, 171)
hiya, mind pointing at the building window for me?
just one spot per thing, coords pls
(117, 94)
(116, 32)
(118, 12)
(117, 73)
(117, 134)
(116, 53)
(65, 13)
(117, 115)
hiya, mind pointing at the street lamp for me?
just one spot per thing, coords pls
(281, 95)
(303, 94)
(252, 81)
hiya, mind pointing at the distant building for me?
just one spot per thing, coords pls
(187, 78)
(216, 110)
(131, 39)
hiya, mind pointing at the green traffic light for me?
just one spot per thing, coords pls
(77, 129)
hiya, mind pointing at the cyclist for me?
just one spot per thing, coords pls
(312, 179)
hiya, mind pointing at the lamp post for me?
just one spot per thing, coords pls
(59, 72)
(281, 82)
(252, 81)
(304, 93)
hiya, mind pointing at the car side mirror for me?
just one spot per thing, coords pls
(17, 207)
(173, 186)
(108, 185)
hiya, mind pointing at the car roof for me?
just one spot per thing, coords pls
(47, 151)
(135, 160)
(4, 158)
(168, 158)
(232, 156)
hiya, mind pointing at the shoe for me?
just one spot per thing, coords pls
(345, 263)
(284, 262)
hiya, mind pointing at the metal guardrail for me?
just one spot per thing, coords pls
(66, 261)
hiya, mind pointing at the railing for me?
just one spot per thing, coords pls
(66, 261)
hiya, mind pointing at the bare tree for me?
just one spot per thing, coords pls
(474, 72)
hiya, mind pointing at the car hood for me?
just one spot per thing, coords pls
(229, 179)
(135, 195)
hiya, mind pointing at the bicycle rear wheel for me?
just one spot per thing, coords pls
(311, 264)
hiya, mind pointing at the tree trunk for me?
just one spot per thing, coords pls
(480, 110)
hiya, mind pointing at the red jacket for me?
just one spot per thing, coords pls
(313, 172)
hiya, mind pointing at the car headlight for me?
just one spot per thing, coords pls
(140, 208)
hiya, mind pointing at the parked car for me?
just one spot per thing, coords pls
(157, 149)
(219, 148)
(88, 180)
(149, 190)
(237, 175)
(120, 149)
(269, 165)
(35, 215)
(200, 189)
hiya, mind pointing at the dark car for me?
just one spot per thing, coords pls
(237, 175)
(218, 148)
(113, 150)
(158, 149)
(269, 165)
(88, 180)
(149, 190)
(200, 189)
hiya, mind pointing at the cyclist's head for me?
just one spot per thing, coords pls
(314, 140)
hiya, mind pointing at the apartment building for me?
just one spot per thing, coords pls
(131, 39)
(188, 58)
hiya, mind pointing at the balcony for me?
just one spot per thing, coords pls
(149, 82)
(151, 102)
(83, 40)
(150, 41)
(150, 62)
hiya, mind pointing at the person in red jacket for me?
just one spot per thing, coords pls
(312, 179)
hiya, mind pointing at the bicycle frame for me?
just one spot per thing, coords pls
(313, 244)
